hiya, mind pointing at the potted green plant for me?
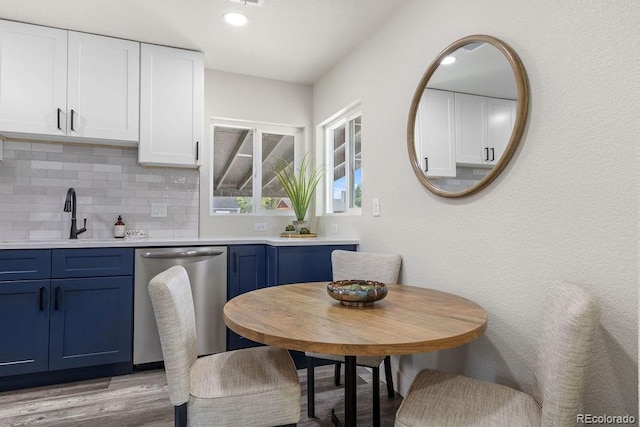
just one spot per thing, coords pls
(299, 185)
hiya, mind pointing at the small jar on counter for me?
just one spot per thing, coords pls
(118, 228)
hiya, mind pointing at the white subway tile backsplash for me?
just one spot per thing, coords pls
(47, 147)
(38, 164)
(44, 234)
(17, 146)
(45, 216)
(107, 168)
(148, 178)
(35, 176)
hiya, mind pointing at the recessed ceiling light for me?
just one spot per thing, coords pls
(235, 18)
(448, 60)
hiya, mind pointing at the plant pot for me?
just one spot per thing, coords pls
(300, 224)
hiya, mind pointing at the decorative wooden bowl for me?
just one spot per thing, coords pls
(357, 293)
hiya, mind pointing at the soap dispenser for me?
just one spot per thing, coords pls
(118, 228)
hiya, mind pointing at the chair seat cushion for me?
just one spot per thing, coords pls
(250, 385)
(368, 361)
(441, 399)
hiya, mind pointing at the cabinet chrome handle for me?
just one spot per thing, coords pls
(426, 164)
(59, 112)
(493, 154)
(42, 298)
(486, 154)
(197, 150)
(72, 129)
(56, 304)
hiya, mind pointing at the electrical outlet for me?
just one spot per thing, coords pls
(259, 226)
(334, 228)
(376, 207)
(158, 210)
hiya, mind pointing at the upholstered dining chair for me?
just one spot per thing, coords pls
(347, 265)
(570, 318)
(250, 387)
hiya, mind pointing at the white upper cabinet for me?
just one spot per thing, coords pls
(103, 87)
(435, 131)
(63, 85)
(501, 117)
(33, 79)
(483, 128)
(171, 106)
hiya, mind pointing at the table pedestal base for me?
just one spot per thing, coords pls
(349, 394)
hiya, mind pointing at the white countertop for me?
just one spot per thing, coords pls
(143, 243)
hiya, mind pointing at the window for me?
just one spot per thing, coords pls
(244, 155)
(343, 140)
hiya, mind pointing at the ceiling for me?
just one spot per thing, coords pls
(290, 40)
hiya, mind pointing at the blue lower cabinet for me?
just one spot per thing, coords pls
(90, 321)
(299, 264)
(24, 327)
(257, 266)
(246, 272)
(65, 315)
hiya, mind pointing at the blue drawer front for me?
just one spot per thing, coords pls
(92, 262)
(25, 264)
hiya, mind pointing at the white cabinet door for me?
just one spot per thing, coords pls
(435, 133)
(501, 116)
(483, 128)
(103, 87)
(471, 129)
(171, 106)
(33, 76)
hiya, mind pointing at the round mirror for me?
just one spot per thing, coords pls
(467, 116)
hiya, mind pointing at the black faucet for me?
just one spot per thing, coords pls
(70, 206)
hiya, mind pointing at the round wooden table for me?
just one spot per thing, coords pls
(304, 317)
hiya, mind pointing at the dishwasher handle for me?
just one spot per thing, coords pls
(182, 254)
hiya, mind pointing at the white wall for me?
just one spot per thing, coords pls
(565, 208)
(235, 96)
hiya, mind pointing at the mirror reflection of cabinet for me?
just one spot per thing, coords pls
(435, 131)
(483, 128)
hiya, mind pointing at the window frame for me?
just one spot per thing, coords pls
(342, 118)
(258, 128)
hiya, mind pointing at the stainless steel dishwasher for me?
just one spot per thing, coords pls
(207, 270)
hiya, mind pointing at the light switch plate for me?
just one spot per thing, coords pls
(259, 226)
(376, 207)
(158, 210)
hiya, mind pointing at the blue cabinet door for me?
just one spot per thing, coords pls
(24, 327)
(90, 321)
(246, 272)
(247, 264)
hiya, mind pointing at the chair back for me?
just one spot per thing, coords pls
(380, 267)
(569, 322)
(172, 301)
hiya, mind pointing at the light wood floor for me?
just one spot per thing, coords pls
(141, 399)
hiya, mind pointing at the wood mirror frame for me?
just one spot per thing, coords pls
(522, 105)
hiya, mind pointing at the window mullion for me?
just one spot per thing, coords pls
(347, 165)
(257, 170)
(330, 169)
